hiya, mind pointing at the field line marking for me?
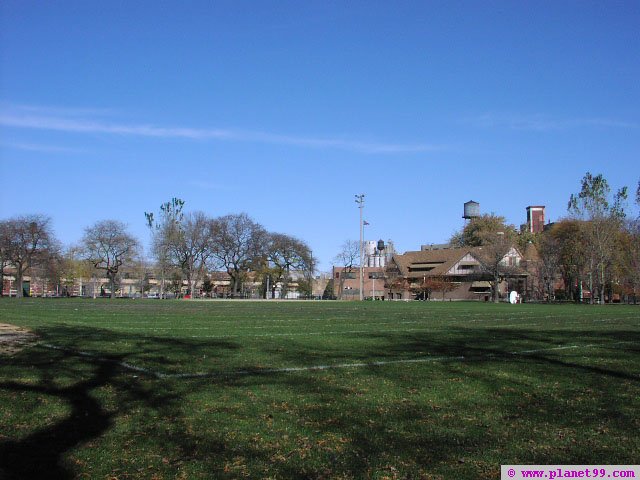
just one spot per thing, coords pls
(264, 371)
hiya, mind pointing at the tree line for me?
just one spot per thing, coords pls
(185, 246)
(594, 249)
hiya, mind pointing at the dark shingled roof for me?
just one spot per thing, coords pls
(440, 260)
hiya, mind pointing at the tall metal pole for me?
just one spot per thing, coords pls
(360, 202)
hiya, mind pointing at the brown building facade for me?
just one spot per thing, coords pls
(535, 218)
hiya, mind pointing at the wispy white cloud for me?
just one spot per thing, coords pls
(81, 124)
(34, 147)
(543, 123)
(90, 126)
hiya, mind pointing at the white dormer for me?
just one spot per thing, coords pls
(512, 258)
(465, 266)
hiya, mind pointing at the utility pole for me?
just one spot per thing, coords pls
(360, 202)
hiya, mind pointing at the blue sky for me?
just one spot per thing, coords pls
(286, 110)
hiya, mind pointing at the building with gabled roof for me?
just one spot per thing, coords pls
(458, 271)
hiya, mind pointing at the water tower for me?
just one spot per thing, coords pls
(373, 252)
(471, 210)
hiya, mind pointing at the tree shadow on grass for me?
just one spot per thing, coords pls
(546, 401)
(39, 454)
(342, 423)
(546, 383)
(488, 344)
(78, 384)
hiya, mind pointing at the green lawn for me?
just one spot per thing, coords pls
(187, 389)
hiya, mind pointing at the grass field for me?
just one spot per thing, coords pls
(188, 389)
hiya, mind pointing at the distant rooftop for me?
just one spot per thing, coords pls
(435, 246)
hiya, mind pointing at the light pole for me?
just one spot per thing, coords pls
(360, 202)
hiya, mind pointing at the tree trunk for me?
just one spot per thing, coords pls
(1, 276)
(112, 286)
(235, 282)
(19, 280)
(496, 287)
(580, 289)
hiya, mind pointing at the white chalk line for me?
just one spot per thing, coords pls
(311, 368)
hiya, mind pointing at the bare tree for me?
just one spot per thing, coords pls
(349, 259)
(237, 243)
(27, 240)
(48, 269)
(189, 246)
(5, 245)
(549, 251)
(491, 256)
(108, 246)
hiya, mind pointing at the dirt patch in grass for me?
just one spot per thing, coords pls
(13, 339)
